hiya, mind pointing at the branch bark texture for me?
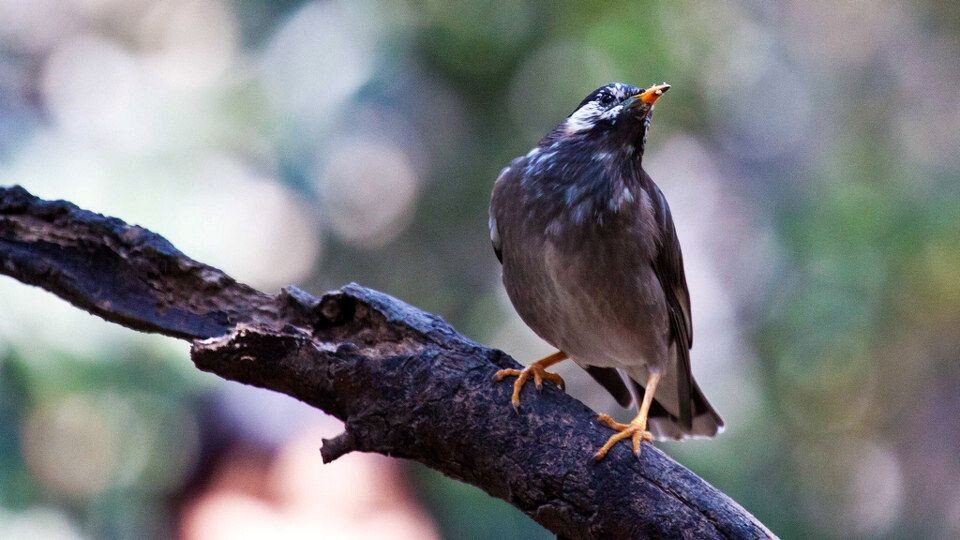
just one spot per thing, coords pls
(405, 383)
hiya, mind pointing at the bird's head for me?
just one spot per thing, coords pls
(617, 113)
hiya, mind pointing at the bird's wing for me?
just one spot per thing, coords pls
(495, 238)
(506, 181)
(668, 266)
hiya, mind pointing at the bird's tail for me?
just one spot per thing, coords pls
(705, 422)
(665, 426)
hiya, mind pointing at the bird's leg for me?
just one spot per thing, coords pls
(636, 430)
(538, 369)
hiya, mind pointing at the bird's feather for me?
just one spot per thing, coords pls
(495, 238)
(706, 422)
(668, 266)
(610, 379)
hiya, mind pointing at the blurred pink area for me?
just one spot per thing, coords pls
(294, 495)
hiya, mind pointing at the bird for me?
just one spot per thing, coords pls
(591, 262)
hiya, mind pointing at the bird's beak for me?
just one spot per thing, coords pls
(652, 94)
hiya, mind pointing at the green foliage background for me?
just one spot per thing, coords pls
(829, 133)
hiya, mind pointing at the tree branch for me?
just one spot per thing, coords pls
(404, 382)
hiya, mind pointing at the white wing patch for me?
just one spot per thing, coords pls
(494, 233)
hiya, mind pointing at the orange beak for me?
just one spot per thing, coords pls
(652, 94)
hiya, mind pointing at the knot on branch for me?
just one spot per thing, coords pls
(333, 309)
(14, 200)
(338, 446)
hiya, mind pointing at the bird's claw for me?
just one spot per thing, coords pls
(636, 432)
(522, 375)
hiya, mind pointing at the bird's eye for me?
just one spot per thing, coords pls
(606, 99)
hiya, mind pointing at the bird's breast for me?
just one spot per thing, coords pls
(589, 290)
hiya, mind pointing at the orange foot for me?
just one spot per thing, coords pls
(538, 369)
(636, 431)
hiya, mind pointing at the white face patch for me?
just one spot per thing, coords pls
(619, 91)
(584, 118)
(612, 113)
(587, 116)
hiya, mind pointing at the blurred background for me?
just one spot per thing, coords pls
(809, 150)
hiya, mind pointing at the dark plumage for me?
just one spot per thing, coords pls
(592, 263)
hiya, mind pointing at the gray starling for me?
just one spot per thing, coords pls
(592, 263)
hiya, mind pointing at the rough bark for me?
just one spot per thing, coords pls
(405, 383)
